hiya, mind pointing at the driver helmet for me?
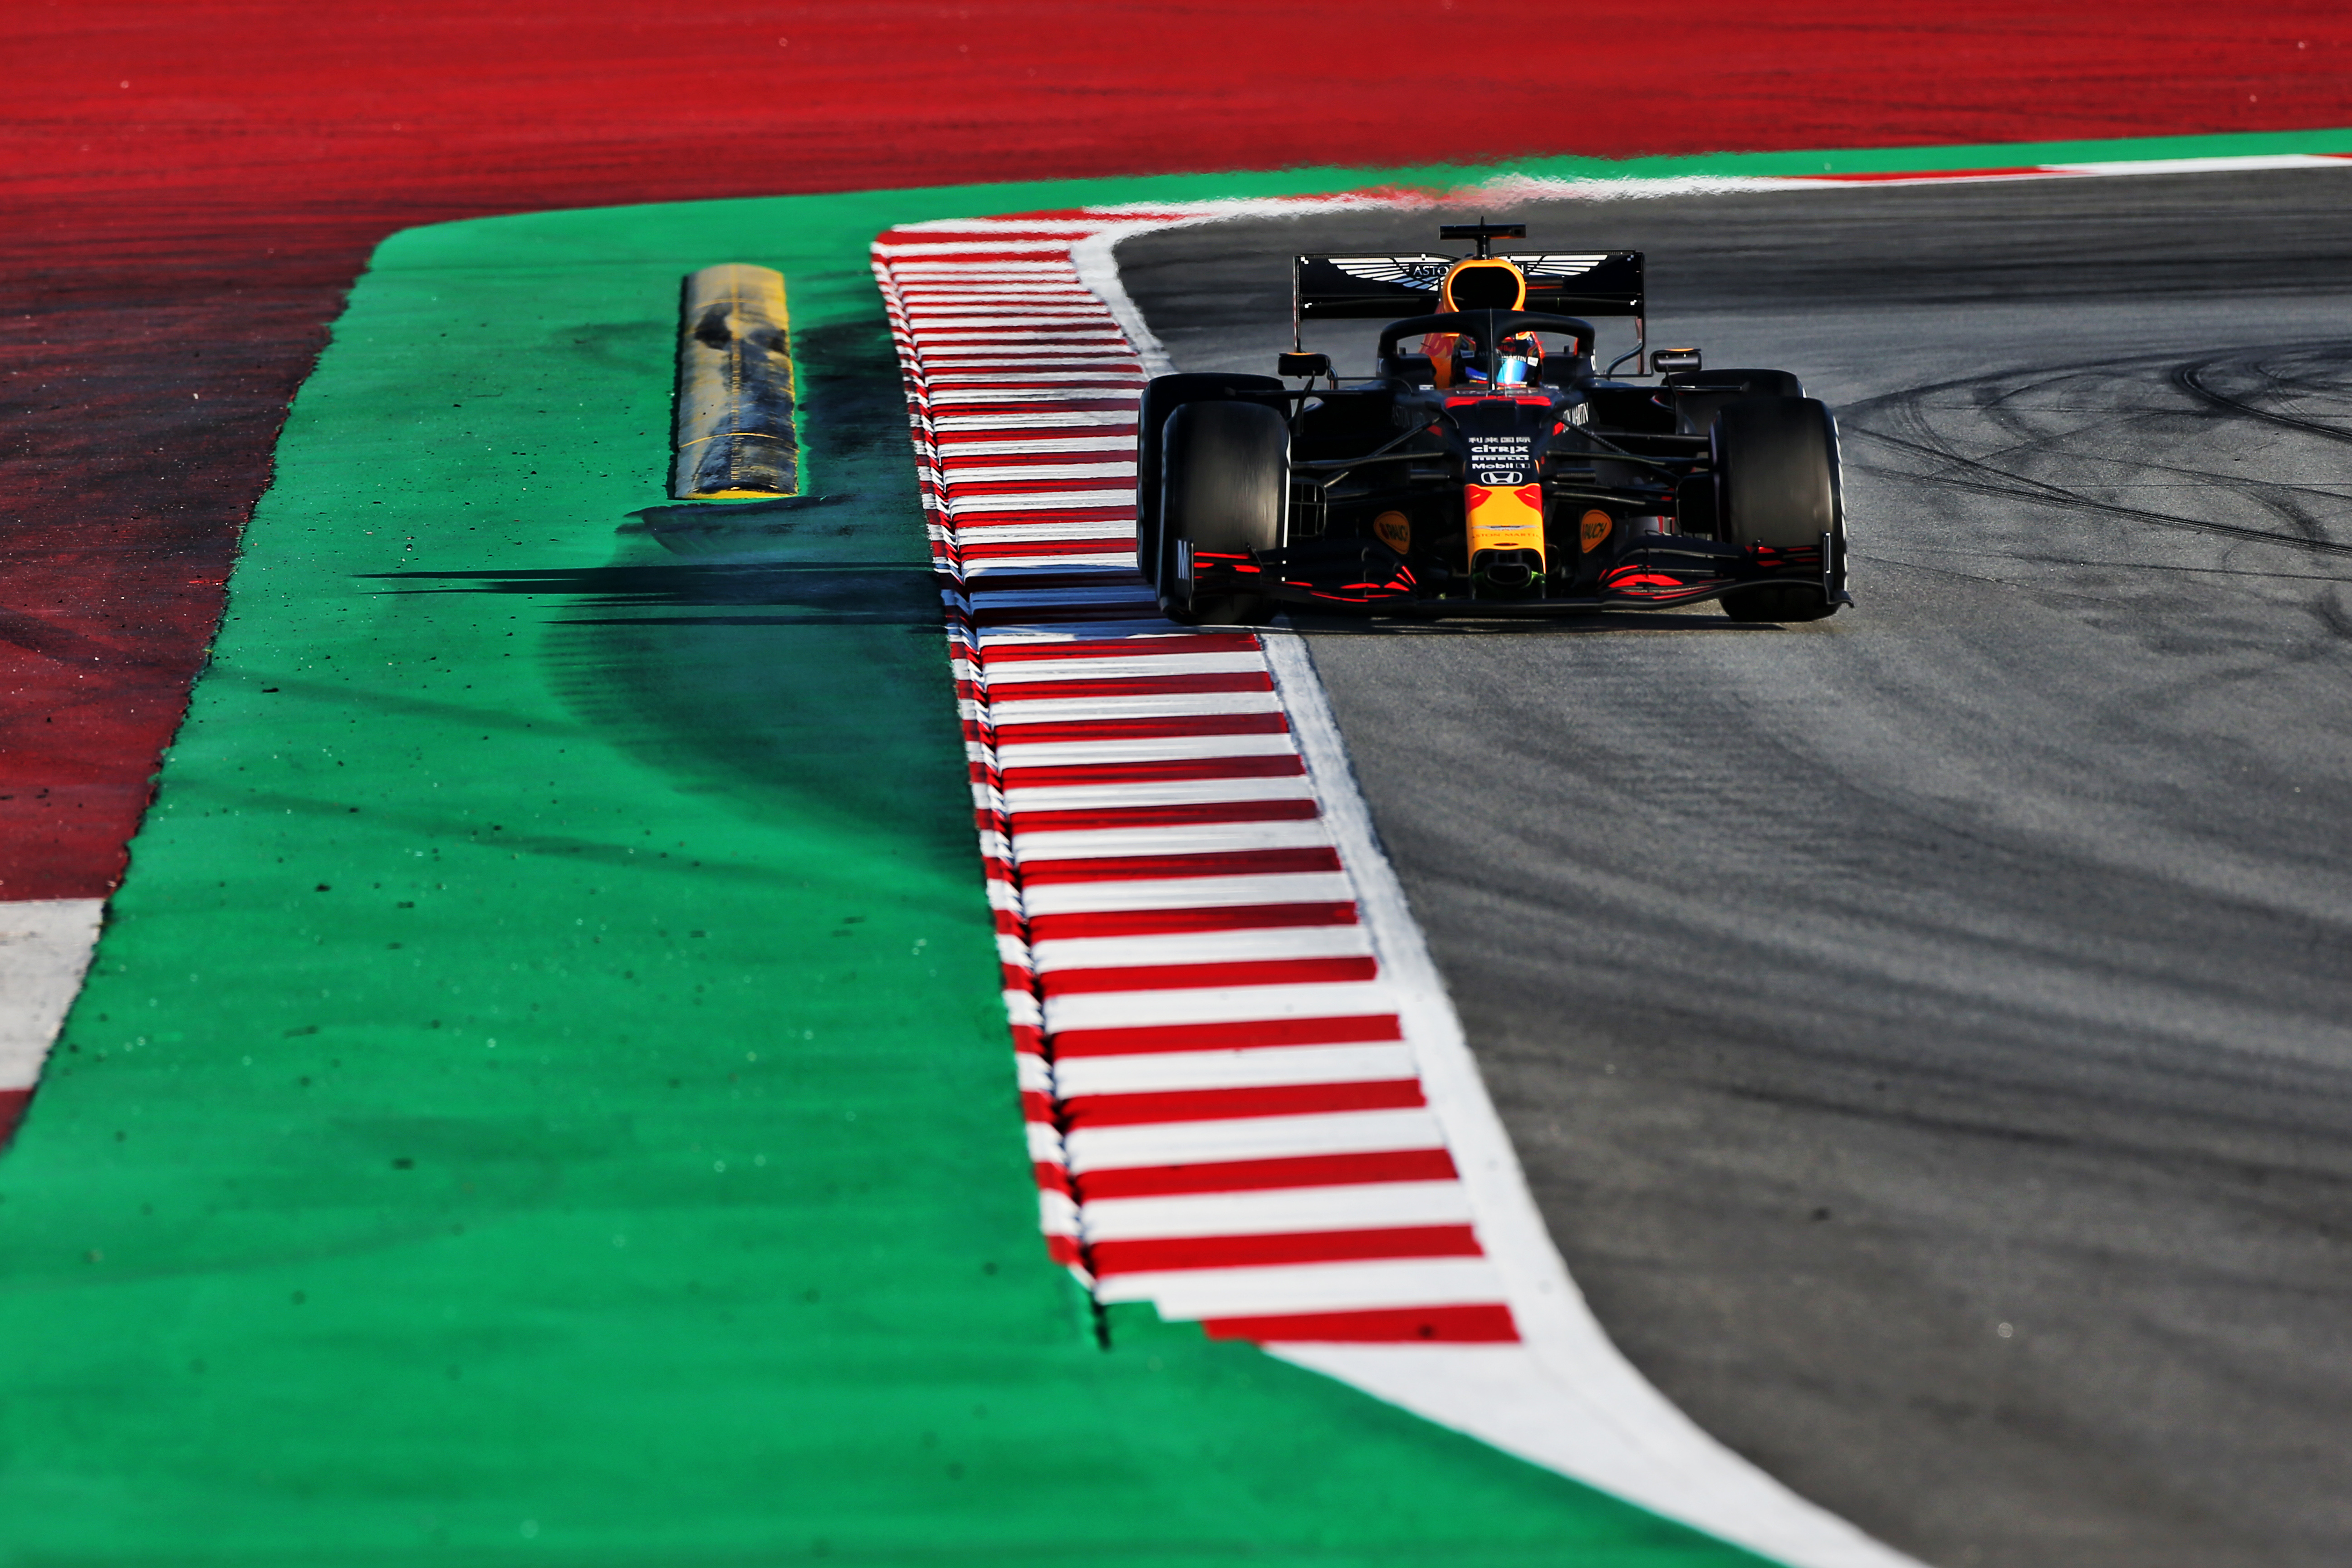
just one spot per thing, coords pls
(1517, 360)
(1454, 356)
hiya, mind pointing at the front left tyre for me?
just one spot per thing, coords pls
(1162, 395)
(1225, 474)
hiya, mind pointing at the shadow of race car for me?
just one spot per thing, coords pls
(1486, 466)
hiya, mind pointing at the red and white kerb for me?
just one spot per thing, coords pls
(1226, 1117)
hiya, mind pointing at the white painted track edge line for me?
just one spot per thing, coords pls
(1096, 261)
(45, 950)
(1660, 1458)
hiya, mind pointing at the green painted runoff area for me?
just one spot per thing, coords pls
(542, 1093)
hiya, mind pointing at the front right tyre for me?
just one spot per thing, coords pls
(1778, 484)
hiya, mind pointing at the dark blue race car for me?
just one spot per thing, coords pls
(1487, 465)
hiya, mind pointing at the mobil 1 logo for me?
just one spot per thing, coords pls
(1502, 459)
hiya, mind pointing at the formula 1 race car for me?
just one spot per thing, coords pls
(1482, 469)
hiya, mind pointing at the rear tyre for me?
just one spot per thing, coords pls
(1224, 485)
(1162, 395)
(1778, 484)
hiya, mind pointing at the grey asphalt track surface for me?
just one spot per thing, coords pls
(1928, 1032)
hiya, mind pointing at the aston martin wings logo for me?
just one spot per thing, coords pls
(1364, 288)
(1429, 271)
(1555, 264)
(1425, 272)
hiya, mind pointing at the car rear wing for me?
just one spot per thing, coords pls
(1561, 283)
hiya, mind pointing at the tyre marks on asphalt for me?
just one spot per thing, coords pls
(2333, 387)
(2056, 437)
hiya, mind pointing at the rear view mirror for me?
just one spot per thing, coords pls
(1665, 360)
(1308, 365)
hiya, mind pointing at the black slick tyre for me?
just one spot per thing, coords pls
(1225, 485)
(1778, 484)
(1162, 395)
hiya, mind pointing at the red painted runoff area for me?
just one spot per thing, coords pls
(187, 189)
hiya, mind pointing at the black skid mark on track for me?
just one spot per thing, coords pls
(2196, 381)
(2102, 425)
